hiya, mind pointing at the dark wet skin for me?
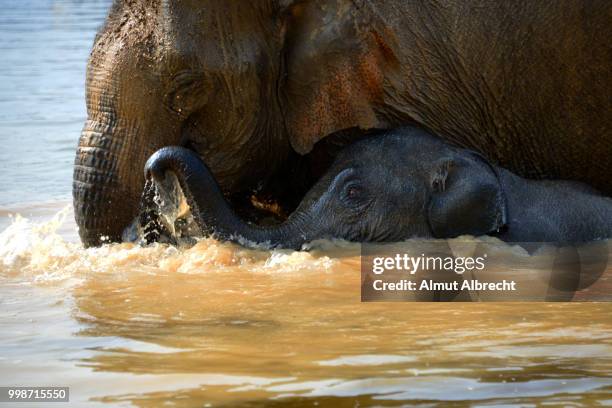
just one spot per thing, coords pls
(402, 184)
(255, 88)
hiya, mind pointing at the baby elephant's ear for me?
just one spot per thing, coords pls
(466, 197)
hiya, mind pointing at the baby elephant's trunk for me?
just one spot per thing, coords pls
(210, 208)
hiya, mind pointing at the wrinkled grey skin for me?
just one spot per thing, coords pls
(251, 86)
(402, 184)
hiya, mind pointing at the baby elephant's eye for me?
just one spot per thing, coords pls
(352, 193)
(437, 185)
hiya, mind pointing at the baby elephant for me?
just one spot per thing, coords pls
(401, 184)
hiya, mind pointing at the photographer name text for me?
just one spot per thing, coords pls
(411, 265)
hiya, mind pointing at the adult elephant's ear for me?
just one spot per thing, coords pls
(466, 197)
(335, 63)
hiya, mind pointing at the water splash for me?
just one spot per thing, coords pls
(36, 249)
(37, 252)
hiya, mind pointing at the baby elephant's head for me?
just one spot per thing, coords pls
(405, 183)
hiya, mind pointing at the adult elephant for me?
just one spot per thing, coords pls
(247, 85)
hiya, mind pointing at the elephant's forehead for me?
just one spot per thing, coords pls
(216, 32)
(398, 148)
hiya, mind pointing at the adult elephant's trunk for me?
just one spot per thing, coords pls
(211, 210)
(104, 202)
(126, 123)
(107, 180)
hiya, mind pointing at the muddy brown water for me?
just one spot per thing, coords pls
(222, 325)
(219, 325)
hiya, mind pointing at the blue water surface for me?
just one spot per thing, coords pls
(44, 45)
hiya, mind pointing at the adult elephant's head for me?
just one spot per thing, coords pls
(241, 83)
